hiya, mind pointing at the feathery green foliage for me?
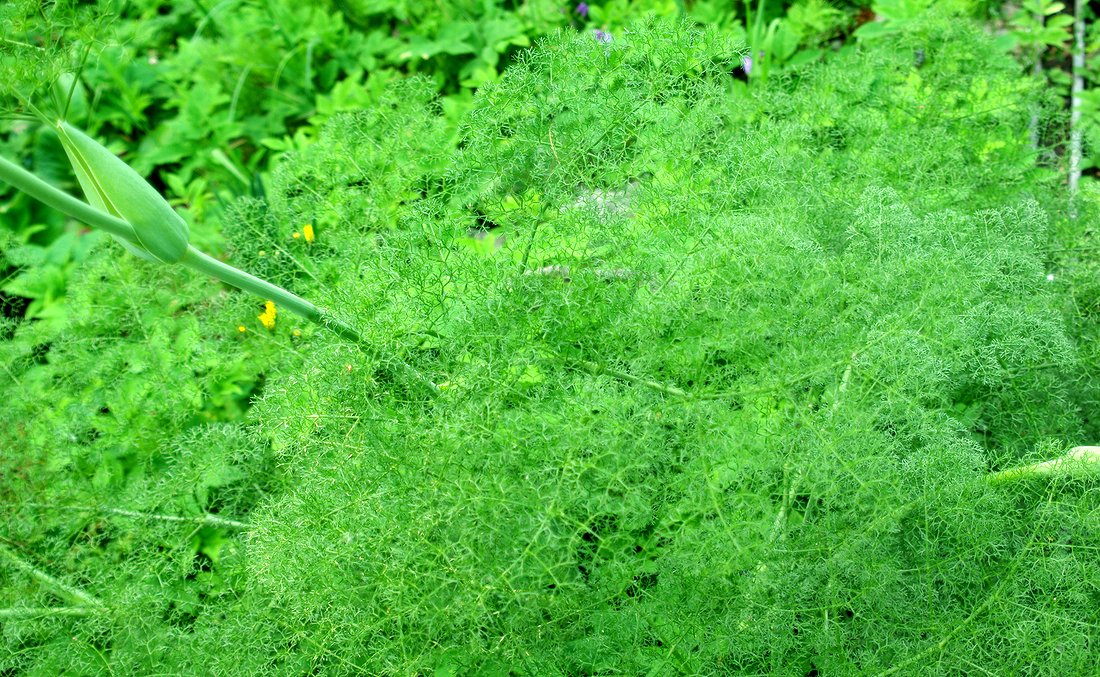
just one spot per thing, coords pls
(726, 369)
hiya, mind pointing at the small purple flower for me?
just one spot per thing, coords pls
(746, 63)
(602, 36)
(582, 10)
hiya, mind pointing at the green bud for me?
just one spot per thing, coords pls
(112, 186)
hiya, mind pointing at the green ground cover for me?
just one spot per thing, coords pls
(725, 364)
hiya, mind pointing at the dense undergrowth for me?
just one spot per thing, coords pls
(724, 370)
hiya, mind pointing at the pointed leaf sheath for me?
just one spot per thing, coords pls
(112, 186)
(96, 197)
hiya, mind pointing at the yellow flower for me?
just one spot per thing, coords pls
(241, 329)
(268, 316)
(296, 235)
(308, 231)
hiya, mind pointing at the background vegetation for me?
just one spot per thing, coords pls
(727, 350)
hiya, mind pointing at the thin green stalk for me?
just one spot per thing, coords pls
(596, 369)
(213, 520)
(1033, 122)
(18, 43)
(204, 263)
(33, 612)
(1075, 136)
(192, 258)
(75, 594)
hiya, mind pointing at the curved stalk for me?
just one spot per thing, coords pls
(204, 263)
(63, 202)
(192, 258)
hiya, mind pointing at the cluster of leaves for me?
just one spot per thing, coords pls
(119, 415)
(246, 81)
(240, 81)
(1041, 33)
(723, 370)
(203, 97)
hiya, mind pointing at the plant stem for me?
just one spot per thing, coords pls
(1075, 106)
(1033, 123)
(31, 612)
(192, 258)
(63, 202)
(596, 369)
(1079, 461)
(75, 594)
(204, 263)
(205, 519)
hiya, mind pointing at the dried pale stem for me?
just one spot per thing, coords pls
(1075, 115)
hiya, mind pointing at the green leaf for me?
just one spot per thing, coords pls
(875, 30)
(784, 41)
